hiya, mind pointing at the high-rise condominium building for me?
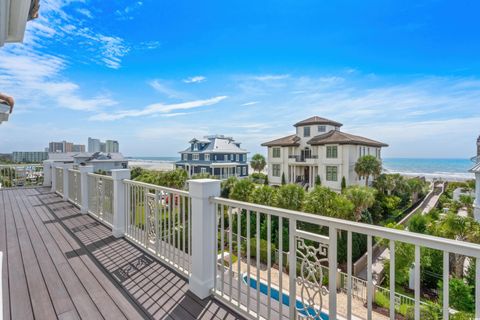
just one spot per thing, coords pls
(93, 145)
(29, 156)
(112, 146)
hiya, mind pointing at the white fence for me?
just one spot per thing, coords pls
(59, 180)
(74, 187)
(158, 220)
(100, 197)
(187, 230)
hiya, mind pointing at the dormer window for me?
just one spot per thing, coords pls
(195, 147)
(306, 131)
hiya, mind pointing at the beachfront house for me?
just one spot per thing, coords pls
(216, 155)
(318, 148)
(476, 170)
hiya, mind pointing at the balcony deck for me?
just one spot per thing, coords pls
(58, 263)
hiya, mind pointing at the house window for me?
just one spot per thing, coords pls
(195, 157)
(207, 157)
(203, 170)
(322, 128)
(276, 170)
(238, 158)
(244, 169)
(185, 156)
(332, 152)
(276, 152)
(195, 147)
(306, 131)
(332, 173)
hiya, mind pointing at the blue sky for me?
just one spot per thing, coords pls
(154, 74)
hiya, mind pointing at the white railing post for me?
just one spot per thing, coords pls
(47, 173)
(84, 171)
(65, 167)
(119, 209)
(476, 205)
(203, 229)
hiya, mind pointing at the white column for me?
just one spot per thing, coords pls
(84, 170)
(476, 212)
(47, 173)
(203, 228)
(119, 209)
(65, 167)
(53, 175)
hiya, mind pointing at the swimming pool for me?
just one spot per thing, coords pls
(274, 293)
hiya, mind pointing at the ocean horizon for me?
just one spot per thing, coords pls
(429, 167)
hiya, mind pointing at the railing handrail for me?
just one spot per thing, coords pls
(73, 170)
(154, 186)
(438, 243)
(100, 176)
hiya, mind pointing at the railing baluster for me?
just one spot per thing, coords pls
(269, 265)
(292, 266)
(417, 282)
(222, 247)
(369, 277)
(349, 275)
(332, 273)
(215, 241)
(477, 288)
(248, 260)
(392, 279)
(280, 266)
(446, 273)
(257, 241)
(230, 252)
(184, 225)
(239, 255)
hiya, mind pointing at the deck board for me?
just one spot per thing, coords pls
(59, 263)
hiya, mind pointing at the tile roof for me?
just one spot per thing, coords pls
(338, 137)
(317, 120)
(287, 141)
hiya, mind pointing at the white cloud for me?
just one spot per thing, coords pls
(157, 108)
(195, 79)
(87, 13)
(251, 103)
(271, 77)
(164, 88)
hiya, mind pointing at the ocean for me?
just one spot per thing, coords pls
(455, 169)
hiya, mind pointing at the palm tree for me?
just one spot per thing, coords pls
(459, 228)
(258, 162)
(367, 166)
(362, 199)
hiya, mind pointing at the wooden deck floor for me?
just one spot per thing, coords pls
(58, 263)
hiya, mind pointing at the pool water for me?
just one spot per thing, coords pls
(274, 293)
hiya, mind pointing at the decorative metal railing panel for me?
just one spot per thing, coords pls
(21, 175)
(59, 180)
(74, 187)
(159, 221)
(100, 197)
(309, 284)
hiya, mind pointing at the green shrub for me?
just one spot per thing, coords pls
(263, 250)
(382, 301)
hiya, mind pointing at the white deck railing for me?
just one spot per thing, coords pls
(305, 284)
(226, 248)
(158, 220)
(74, 187)
(100, 197)
(59, 180)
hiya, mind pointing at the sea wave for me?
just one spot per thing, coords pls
(451, 176)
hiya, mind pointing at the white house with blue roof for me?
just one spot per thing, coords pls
(217, 155)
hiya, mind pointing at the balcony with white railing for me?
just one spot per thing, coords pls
(226, 249)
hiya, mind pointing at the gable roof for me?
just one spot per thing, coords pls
(338, 137)
(317, 120)
(287, 141)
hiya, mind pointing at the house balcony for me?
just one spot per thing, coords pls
(309, 159)
(90, 246)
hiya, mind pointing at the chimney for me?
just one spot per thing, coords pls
(478, 146)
